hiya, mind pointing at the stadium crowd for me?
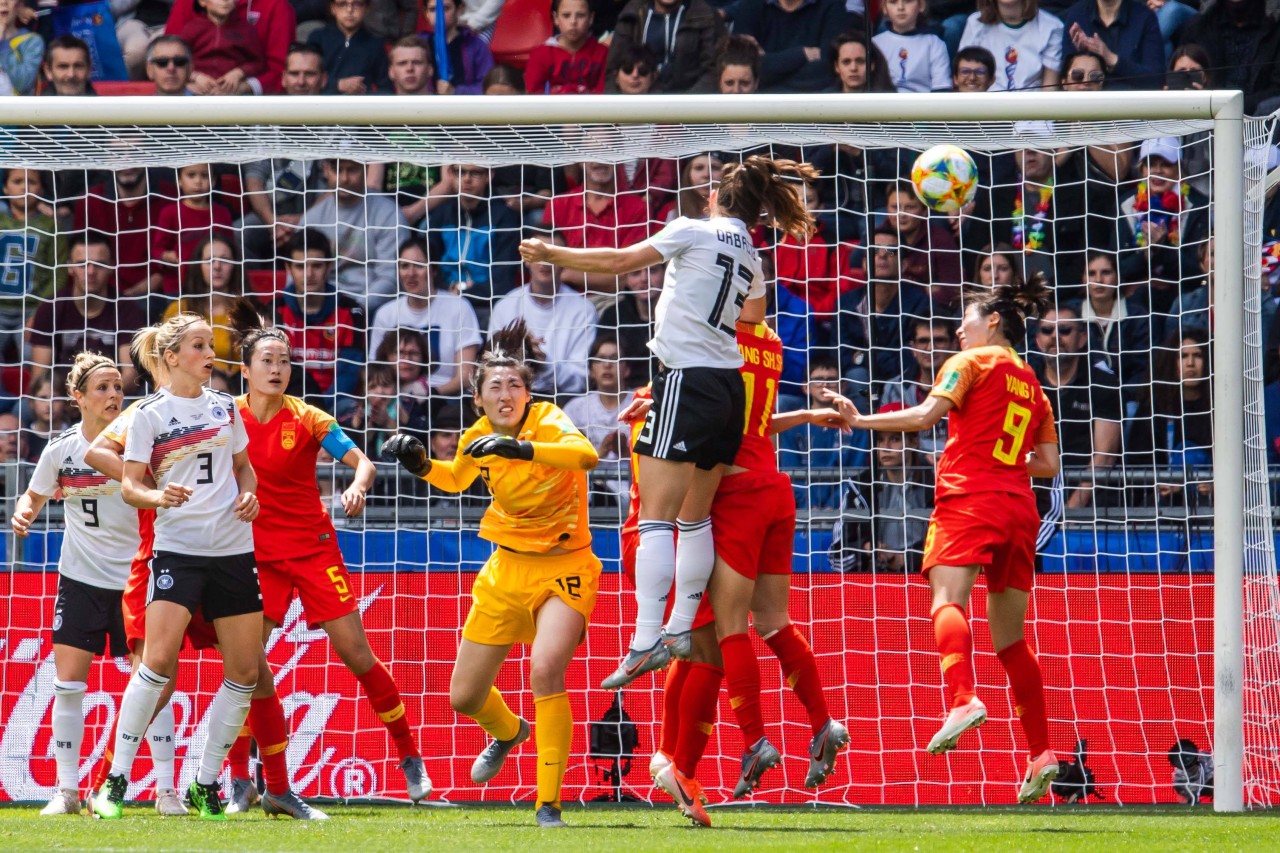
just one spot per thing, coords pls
(388, 277)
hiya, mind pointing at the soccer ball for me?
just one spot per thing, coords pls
(945, 178)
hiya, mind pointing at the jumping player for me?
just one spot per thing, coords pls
(99, 527)
(297, 547)
(1000, 434)
(539, 585)
(693, 428)
(191, 442)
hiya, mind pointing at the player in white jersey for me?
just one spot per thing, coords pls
(100, 536)
(191, 441)
(694, 428)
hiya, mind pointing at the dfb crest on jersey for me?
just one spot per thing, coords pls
(289, 435)
(218, 413)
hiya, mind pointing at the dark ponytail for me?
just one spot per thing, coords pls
(759, 184)
(1014, 302)
(251, 328)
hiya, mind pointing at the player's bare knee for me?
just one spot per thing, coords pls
(359, 658)
(160, 661)
(769, 622)
(546, 678)
(465, 701)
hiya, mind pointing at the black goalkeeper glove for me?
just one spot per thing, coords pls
(409, 452)
(500, 445)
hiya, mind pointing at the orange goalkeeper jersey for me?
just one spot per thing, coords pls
(536, 506)
(1000, 413)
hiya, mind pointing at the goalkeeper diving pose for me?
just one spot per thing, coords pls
(539, 585)
(713, 279)
(1000, 434)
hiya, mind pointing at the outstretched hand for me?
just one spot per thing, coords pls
(534, 251)
(409, 451)
(500, 445)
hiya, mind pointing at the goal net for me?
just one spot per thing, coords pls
(387, 249)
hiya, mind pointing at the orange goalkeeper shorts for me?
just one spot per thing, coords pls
(511, 588)
(321, 580)
(995, 531)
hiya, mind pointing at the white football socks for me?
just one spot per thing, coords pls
(68, 731)
(695, 558)
(655, 569)
(227, 714)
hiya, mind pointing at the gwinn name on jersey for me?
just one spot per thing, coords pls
(100, 532)
(192, 441)
(712, 269)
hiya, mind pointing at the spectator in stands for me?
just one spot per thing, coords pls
(1242, 39)
(210, 286)
(9, 426)
(828, 455)
(225, 50)
(469, 59)
(1171, 16)
(919, 57)
(411, 70)
(929, 255)
(366, 229)
(125, 210)
(1085, 396)
(995, 266)
(596, 413)
(278, 190)
(1194, 308)
(931, 341)
(84, 315)
(474, 237)
(45, 415)
(973, 69)
(809, 268)
(1163, 219)
(572, 62)
(793, 35)
(738, 66)
(1173, 430)
(21, 51)
(1084, 72)
(683, 36)
(184, 223)
(503, 80)
(560, 317)
(1190, 68)
(274, 22)
(67, 68)
(873, 322)
(326, 327)
(891, 501)
(408, 353)
(390, 20)
(631, 320)
(168, 61)
(446, 320)
(859, 65)
(30, 251)
(1025, 41)
(1119, 326)
(1043, 218)
(378, 417)
(355, 60)
(636, 72)
(698, 174)
(596, 216)
(1124, 33)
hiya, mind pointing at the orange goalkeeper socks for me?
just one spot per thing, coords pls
(496, 718)
(266, 721)
(800, 671)
(1028, 693)
(742, 675)
(955, 648)
(553, 733)
(238, 757)
(697, 718)
(384, 696)
(672, 694)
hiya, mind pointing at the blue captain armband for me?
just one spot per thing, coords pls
(337, 443)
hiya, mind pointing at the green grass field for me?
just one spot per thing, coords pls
(364, 829)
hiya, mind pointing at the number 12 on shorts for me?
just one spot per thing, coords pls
(570, 586)
(1016, 420)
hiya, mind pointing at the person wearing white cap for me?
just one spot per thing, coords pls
(1164, 220)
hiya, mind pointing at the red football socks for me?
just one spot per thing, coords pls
(238, 757)
(672, 695)
(742, 673)
(697, 717)
(800, 671)
(384, 696)
(266, 721)
(955, 648)
(1028, 693)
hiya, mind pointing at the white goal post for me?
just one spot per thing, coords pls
(494, 130)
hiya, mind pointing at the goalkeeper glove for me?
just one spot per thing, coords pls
(500, 445)
(409, 452)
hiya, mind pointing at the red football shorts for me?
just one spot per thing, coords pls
(200, 634)
(320, 579)
(995, 531)
(753, 521)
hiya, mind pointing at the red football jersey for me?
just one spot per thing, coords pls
(761, 369)
(291, 518)
(1000, 413)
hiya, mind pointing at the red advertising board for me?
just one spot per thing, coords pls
(1127, 663)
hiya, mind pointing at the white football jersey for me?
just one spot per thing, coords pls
(100, 530)
(191, 441)
(712, 268)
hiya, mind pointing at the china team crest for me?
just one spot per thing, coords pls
(288, 436)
